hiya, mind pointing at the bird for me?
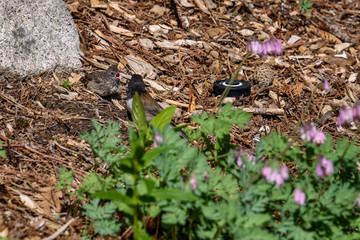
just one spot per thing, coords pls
(104, 83)
(152, 108)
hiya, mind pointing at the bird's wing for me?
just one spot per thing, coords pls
(152, 108)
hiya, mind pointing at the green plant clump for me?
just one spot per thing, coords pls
(305, 6)
(66, 84)
(2, 152)
(283, 190)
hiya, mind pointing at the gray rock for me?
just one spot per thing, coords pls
(36, 37)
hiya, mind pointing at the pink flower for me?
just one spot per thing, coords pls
(275, 176)
(319, 171)
(325, 168)
(239, 159)
(346, 116)
(309, 133)
(251, 158)
(299, 197)
(278, 47)
(266, 171)
(157, 139)
(319, 137)
(358, 201)
(193, 182)
(271, 47)
(239, 162)
(327, 165)
(284, 172)
(326, 85)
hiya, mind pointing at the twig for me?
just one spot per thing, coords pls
(58, 232)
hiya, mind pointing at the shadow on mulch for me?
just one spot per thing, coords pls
(41, 126)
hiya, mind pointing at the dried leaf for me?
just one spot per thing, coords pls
(340, 60)
(323, 34)
(215, 32)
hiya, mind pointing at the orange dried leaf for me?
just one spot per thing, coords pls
(192, 103)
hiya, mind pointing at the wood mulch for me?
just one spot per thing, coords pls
(184, 46)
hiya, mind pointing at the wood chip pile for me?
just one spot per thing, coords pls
(181, 47)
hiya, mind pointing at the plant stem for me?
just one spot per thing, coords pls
(218, 232)
(173, 233)
(135, 197)
(305, 111)
(233, 78)
(220, 156)
(190, 226)
(157, 227)
(297, 126)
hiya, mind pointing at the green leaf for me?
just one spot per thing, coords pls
(122, 207)
(256, 220)
(138, 114)
(152, 153)
(105, 143)
(297, 233)
(173, 215)
(93, 183)
(179, 127)
(113, 195)
(107, 227)
(145, 186)
(2, 152)
(163, 118)
(174, 194)
(136, 145)
(154, 211)
(140, 234)
(66, 84)
(65, 178)
(96, 212)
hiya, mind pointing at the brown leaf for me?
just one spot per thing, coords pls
(324, 34)
(192, 103)
(340, 61)
(215, 32)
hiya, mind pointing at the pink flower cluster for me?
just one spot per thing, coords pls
(309, 133)
(271, 47)
(277, 176)
(347, 116)
(325, 168)
(239, 160)
(299, 197)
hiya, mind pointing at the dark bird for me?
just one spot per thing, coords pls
(104, 83)
(152, 108)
